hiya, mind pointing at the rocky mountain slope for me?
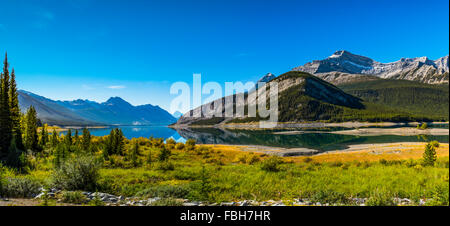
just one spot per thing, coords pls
(344, 67)
(301, 97)
(114, 111)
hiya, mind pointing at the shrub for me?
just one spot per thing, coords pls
(242, 158)
(179, 146)
(253, 159)
(171, 141)
(440, 195)
(165, 191)
(424, 126)
(203, 150)
(380, 199)
(21, 187)
(331, 197)
(307, 160)
(75, 197)
(78, 173)
(96, 201)
(190, 144)
(167, 202)
(164, 154)
(165, 166)
(272, 164)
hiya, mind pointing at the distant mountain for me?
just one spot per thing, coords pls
(50, 111)
(344, 67)
(115, 111)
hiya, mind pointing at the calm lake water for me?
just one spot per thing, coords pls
(314, 138)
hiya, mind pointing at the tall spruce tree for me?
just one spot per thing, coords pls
(5, 116)
(44, 136)
(86, 139)
(68, 138)
(15, 112)
(76, 138)
(54, 138)
(31, 134)
(119, 141)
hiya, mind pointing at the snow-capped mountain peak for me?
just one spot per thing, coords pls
(417, 69)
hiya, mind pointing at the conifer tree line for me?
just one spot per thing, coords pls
(11, 131)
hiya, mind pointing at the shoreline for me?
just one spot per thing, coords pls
(299, 152)
(286, 125)
(402, 131)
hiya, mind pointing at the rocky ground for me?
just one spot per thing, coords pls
(112, 200)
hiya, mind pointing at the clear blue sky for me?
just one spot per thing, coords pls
(70, 49)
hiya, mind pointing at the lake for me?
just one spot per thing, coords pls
(314, 138)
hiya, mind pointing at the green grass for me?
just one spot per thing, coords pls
(218, 175)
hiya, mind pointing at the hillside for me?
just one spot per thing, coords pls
(304, 97)
(413, 97)
(115, 111)
(50, 111)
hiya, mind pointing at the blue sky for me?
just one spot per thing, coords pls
(71, 49)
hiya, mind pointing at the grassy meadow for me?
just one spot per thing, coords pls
(221, 173)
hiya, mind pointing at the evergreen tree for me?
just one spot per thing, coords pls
(44, 136)
(68, 138)
(55, 138)
(15, 112)
(134, 154)
(86, 139)
(16, 157)
(149, 158)
(109, 145)
(76, 138)
(31, 136)
(119, 141)
(5, 114)
(429, 156)
(61, 153)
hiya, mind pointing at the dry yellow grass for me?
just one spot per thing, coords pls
(390, 152)
(398, 151)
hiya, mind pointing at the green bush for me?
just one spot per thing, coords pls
(164, 154)
(190, 144)
(167, 202)
(440, 196)
(332, 197)
(380, 199)
(75, 197)
(78, 173)
(165, 166)
(179, 146)
(165, 191)
(21, 187)
(272, 164)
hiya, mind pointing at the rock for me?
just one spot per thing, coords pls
(191, 204)
(227, 203)
(244, 203)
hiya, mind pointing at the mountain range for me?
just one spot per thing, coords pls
(345, 87)
(344, 67)
(115, 111)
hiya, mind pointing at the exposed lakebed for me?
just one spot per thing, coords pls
(321, 139)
